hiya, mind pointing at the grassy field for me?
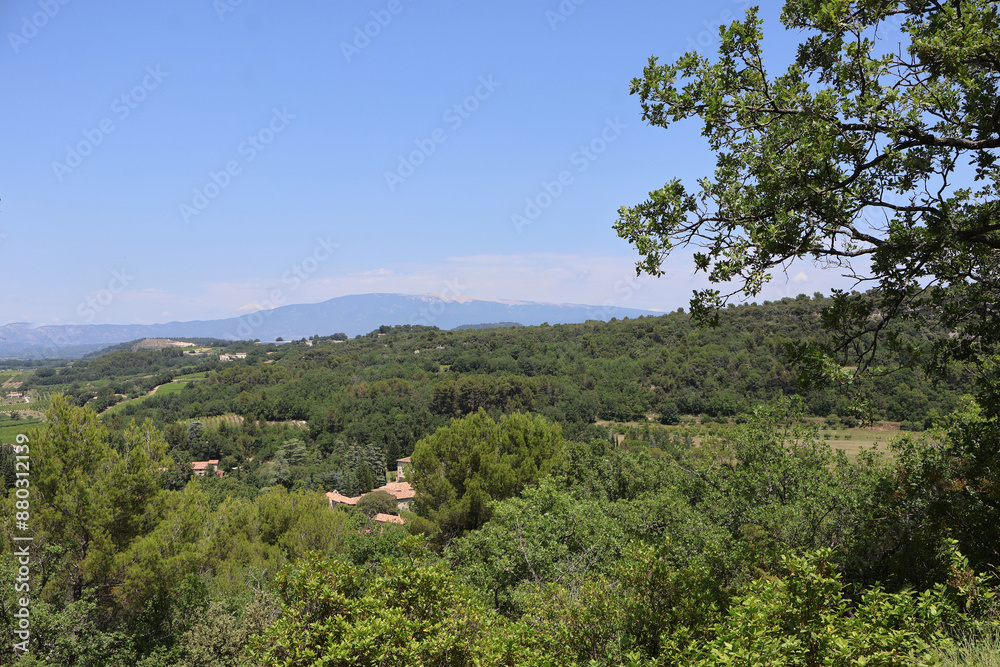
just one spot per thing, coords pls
(174, 387)
(850, 440)
(10, 429)
(192, 376)
(10, 380)
(853, 440)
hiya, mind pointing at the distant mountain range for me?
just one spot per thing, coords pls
(352, 315)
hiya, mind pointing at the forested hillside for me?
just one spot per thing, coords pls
(808, 482)
(525, 548)
(537, 536)
(368, 400)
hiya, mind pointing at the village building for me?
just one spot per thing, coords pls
(201, 467)
(337, 498)
(389, 518)
(401, 491)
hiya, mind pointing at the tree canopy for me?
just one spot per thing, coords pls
(462, 467)
(874, 151)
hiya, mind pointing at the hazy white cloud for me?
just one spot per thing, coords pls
(606, 282)
(376, 272)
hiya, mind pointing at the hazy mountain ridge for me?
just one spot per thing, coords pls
(353, 315)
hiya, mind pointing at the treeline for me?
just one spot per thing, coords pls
(385, 391)
(760, 547)
(108, 378)
(105, 379)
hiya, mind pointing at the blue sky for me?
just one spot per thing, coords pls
(199, 159)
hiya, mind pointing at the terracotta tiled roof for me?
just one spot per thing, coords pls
(389, 518)
(341, 499)
(399, 490)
